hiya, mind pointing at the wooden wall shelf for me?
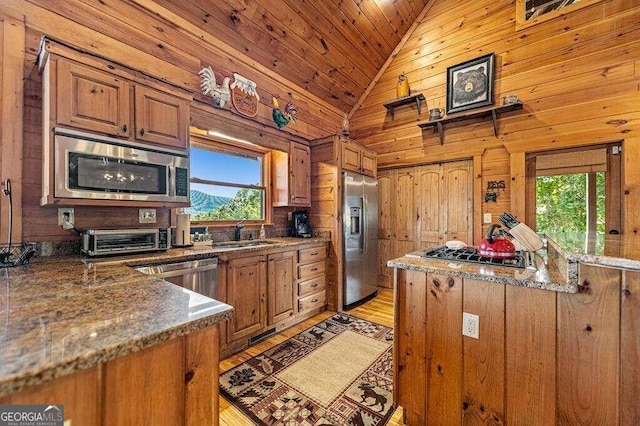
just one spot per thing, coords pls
(417, 98)
(490, 112)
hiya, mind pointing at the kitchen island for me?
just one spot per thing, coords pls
(554, 346)
(112, 345)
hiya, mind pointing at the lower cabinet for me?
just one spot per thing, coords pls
(246, 292)
(271, 291)
(172, 383)
(281, 280)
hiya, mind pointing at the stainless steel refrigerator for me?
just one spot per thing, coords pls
(360, 225)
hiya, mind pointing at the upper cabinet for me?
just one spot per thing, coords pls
(291, 176)
(161, 118)
(357, 158)
(91, 99)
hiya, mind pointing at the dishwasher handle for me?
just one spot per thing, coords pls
(165, 270)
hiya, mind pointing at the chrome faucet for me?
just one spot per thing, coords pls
(237, 233)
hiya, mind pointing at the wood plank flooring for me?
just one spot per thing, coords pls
(378, 309)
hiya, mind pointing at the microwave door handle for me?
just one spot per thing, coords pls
(172, 186)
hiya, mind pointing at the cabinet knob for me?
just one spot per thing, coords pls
(142, 131)
(124, 128)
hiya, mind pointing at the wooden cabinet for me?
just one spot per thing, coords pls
(281, 280)
(311, 278)
(291, 176)
(179, 375)
(270, 291)
(92, 100)
(356, 158)
(161, 118)
(97, 101)
(422, 207)
(246, 288)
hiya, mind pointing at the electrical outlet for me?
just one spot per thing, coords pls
(290, 216)
(470, 325)
(487, 218)
(66, 215)
(146, 215)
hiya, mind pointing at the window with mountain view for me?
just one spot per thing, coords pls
(226, 184)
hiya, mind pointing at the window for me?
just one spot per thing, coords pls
(227, 182)
(531, 12)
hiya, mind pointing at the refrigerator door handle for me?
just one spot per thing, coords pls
(363, 228)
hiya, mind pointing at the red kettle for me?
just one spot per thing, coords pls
(494, 246)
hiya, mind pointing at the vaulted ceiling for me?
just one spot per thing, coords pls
(331, 48)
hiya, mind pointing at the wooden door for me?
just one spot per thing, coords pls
(385, 232)
(281, 269)
(350, 157)
(92, 100)
(458, 198)
(246, 292)
(405, 214)
(300, 176)
(161, 118)
(368, 163)
(430, 205)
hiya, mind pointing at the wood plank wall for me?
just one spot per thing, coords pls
(131, 35)
(578, 77)
(542, 358)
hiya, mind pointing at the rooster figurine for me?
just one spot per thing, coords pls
(282, 118)
(220, 94)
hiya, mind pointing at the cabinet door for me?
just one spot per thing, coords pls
(281, 269)
(385, 230)
(300, 176)
(246, 292)
(405, 212)
(92, 100)
(161, 118)
(350, 157)
(368, 163)
(430, 207)
(458, 184)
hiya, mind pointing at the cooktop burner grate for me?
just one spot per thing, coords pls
(470, 254)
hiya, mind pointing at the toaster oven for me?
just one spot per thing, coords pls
(104, 242)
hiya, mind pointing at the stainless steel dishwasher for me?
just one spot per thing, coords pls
(200, 275)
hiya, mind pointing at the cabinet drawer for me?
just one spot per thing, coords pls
(311, 286)
(312, 301)
(312, 254)
(311, 270)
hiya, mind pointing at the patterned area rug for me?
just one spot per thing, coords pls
(338, 372)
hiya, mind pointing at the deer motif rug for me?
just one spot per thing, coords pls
(337, 372)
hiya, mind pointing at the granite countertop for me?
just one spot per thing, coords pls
(204, 250)
(61, 315)
(616, 251)
(545, 277)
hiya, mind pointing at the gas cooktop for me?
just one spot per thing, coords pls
(470, 254)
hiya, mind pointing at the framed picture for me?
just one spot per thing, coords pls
(470, 84)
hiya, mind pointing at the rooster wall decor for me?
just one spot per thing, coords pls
(282, 118)
(220, 94)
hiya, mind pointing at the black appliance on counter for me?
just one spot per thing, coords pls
(301, 227)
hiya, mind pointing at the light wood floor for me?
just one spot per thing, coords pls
(378, 309)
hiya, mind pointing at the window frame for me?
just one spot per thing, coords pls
(211, 143)
(522, 22)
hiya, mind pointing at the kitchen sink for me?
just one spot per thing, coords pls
(242, 244)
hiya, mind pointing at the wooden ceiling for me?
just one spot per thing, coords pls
(331, 48)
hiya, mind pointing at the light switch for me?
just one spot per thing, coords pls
(487, 218)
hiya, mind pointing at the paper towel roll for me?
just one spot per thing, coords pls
(183, 229)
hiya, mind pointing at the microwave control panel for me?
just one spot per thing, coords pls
(182, 182)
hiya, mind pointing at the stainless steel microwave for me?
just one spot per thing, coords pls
(101, 168)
